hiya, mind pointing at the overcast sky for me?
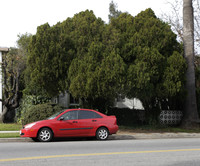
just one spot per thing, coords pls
(21, 16)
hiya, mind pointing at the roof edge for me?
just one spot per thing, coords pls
(4, 49)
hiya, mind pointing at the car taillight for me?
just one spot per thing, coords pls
(115, 121)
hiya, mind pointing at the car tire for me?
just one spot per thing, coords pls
(102, 133)
(45, 135)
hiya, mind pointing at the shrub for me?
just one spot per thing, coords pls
(40, 112)
(27, 102)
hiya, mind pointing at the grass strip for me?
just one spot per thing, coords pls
(9, 135)
(10, 127)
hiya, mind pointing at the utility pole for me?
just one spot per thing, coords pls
(2, 50)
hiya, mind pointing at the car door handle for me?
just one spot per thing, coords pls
(75, 122)
(94, 120)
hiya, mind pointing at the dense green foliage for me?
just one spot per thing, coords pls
(94, 72)
(153, 57)
(135, 56)
(50, 55)
(40, 112)
(26, 104)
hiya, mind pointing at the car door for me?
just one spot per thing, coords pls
(87, 122)
(67, 124)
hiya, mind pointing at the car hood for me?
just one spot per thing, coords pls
(37, 122)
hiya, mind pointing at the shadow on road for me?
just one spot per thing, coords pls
(111, 138)
(121, 137)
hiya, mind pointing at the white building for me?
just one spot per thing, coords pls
(66, 100)
(124, 102)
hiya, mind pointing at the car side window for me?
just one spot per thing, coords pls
(71, 115)
(97, 115)
(83, 114)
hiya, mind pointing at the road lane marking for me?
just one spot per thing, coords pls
(95, 154)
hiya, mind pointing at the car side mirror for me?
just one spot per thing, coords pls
(61, 118)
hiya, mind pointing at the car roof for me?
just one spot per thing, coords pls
(75, 109)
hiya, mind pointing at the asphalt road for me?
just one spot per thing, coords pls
(144, 152)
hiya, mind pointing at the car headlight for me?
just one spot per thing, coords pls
(29, 125)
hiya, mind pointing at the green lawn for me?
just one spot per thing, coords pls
(9, 135)
(10, 127)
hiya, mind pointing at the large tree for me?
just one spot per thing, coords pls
(150, 50)
(79, 55)
(96, 72)
(130, 55)
(13, 66)
(50, 54)
(113, 11)
(53, 49)
(175, 16)
(190, 112)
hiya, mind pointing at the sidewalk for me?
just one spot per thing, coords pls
(151, 135)
(9, 132)
(121, 135)
(16, 139)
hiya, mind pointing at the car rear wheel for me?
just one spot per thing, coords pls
(102, 133)
(45, 135)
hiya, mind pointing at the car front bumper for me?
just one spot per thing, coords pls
(28, 132)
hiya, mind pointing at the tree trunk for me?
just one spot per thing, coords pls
(191, 116)
(7, 115)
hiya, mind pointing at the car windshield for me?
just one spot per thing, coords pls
(55, 115)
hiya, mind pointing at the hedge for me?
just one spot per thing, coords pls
(40, 112)
(127, 117)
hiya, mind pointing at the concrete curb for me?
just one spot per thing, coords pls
(18, 139)
(158, 135)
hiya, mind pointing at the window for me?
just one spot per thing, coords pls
(88, 115)
(97, 115)
(71, 115)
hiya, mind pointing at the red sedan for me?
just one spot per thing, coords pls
(72, 123)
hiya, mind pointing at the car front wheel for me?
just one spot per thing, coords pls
(102, 133)
(45, 135)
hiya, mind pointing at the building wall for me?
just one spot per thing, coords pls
(129, 103)
(67, 101)
(63, 99)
